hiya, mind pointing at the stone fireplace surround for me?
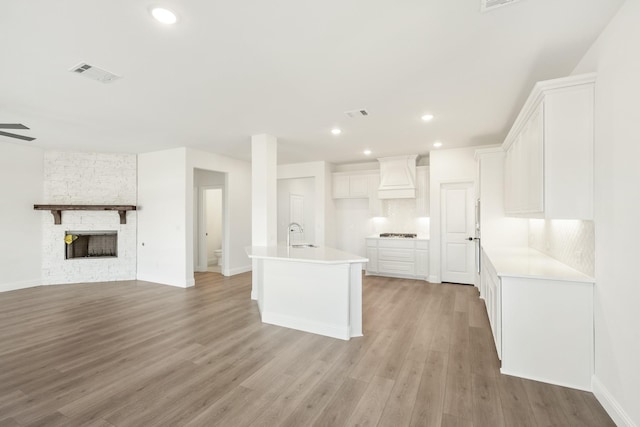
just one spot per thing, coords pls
(89, 178)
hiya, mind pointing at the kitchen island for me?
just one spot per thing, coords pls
(312, 289)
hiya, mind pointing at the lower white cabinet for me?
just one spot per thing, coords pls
(542, 327)
(490, 290)
(407, 258)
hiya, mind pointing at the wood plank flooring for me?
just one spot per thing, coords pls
(142, 354)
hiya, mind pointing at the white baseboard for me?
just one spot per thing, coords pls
(306, 325)
(568, 384)
(237, 270)
(13, 286)
(609, 403)
(396, 275)
(254, 295)
(433, 279)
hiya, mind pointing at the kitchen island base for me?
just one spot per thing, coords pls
(323, 298)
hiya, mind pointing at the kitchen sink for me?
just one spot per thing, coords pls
(306, 245)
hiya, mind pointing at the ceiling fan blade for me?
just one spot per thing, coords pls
(12, 126)
(13, 135)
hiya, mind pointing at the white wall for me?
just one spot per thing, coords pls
(162, 226)
(615, 56)
(353, 223)
(446, 166)
(237, 208)
(21, 177)
(166, 186)
(304, 187)
(88, 179)
(497, 230)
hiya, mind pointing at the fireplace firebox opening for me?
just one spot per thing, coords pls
(91, 244)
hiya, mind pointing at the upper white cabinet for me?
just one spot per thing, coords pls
(375, 204)
(350, 185)
(549, 152)
(422, 191)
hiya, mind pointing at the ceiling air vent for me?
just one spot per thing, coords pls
(357, 113)
(94, 73)
(488, 5)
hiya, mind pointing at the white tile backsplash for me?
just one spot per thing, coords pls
(400, 216)
(571, 242)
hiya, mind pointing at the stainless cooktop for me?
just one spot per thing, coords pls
(400, 235)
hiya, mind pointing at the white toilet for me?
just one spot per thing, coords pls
(218, 254)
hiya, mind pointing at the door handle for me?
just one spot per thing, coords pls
(471, 239)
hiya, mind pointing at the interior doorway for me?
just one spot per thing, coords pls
(457, 226)
(213, 228)
(210, 222)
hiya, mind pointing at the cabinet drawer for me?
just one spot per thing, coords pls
(396, 243)
(394, 267)
(404, 255)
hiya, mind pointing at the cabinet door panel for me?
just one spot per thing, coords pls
(395, 267)
(422, 263)
(535, 149)
(372, 265)
(359, 186)
(375, 204)
(340, 186)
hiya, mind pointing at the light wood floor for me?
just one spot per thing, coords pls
(141, 354)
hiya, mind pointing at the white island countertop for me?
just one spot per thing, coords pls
(319, 255)
(530, 263)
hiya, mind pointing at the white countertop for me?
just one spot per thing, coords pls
(530, 263)
(319, 255)
(377, 236)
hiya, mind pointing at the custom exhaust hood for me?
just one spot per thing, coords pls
(397, 177)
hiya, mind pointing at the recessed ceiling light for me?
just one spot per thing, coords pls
(427, 117)
(437, 144)
(367, 152)
(163, 15)
(336, 131)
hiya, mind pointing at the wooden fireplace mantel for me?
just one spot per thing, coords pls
(56, 210)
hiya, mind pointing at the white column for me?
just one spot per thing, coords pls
(264, 175)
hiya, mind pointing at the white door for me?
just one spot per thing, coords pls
(296, 214)
(457, 225)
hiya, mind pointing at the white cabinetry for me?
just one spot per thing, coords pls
(542, 326)
(398, 257)
(375, 204)
(422, 259)
(350, 186)
(490, 288)
(549, 152)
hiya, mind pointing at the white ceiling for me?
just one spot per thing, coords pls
(289, 68)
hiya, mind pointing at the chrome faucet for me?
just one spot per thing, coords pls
(292, 227)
